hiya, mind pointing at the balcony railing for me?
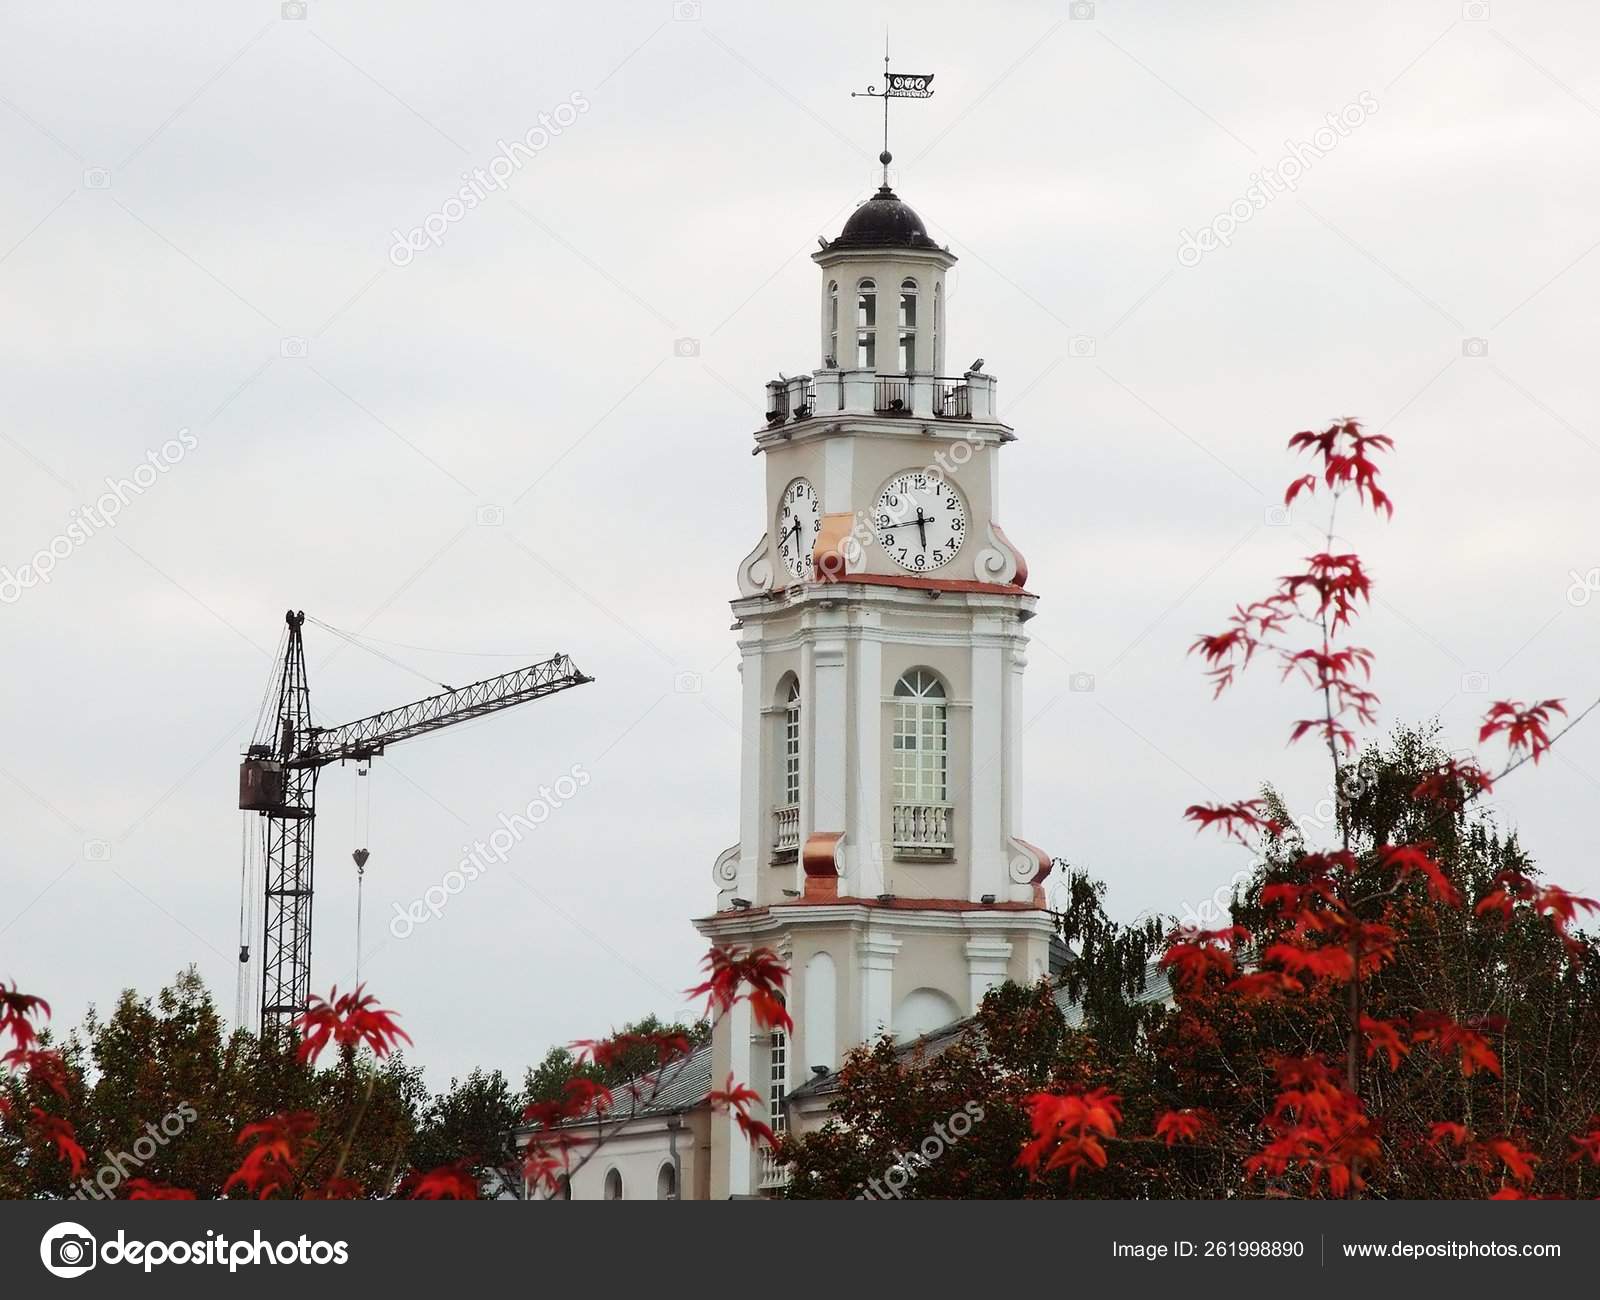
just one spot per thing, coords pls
(952, 400)
(773, 1174)
(891, 395)
(916, 396)
(786, 831)
(924, 829)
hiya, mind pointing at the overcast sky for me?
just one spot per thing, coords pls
(196, 228)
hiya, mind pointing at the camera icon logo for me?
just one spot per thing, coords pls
(491, 516)
(96, 178)
(1474, 347)
(96, 851)
(1080, 346)
(293, 10)
(1277, 516)
(686, 11)
(1474, 683)
(1081, 682)
(685, 347)
(1475, 11)
(1080, 10)
(68, 1250)
(295, 348)
(686, 683)
(1584, 585)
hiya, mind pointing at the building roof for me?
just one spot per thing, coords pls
(687, 1086)
(883, 221)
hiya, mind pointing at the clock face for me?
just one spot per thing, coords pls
(920, 521)
(799, 522)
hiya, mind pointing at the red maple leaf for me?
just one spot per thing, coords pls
(16, 1009)
(1457, 1135)
(60, 1133)
(46, 1066)
(1181, 1125)
(1384, 1036)
(1453, 784)
(1519, 1163)
(1067, 1131)
(1231, 817)
(142, 1189)
(453, 1182)
(1524, 727)
(1417, 860)
(1449, 1036)
(761, 970)
(736, 1098)
(271, 1163)
(1191, 955)
(347, 1019)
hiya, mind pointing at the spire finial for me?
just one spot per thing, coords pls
(896, 85)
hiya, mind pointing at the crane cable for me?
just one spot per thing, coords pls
(361, 829)
(371, 650)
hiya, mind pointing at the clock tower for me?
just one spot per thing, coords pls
(880, 621)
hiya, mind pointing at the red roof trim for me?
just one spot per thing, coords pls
(920, 584)
(892, 905)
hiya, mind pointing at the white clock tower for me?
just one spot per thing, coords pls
(880, 622)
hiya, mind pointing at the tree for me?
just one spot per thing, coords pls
(1330, 923)
(158, 1089)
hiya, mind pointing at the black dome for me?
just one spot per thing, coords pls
(883, 221)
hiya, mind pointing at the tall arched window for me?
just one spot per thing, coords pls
(866, 325)
(613, 1185)
(791, 744)
(667, 1183)
(921, 766)
(908, 326)
(938, 326)
(833, 323)
(786, 786)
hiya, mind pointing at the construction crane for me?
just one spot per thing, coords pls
(278, 780)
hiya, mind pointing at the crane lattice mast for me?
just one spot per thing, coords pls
(278, 780)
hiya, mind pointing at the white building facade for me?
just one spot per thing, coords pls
(880, 622)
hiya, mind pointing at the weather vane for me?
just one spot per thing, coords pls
(896, 85)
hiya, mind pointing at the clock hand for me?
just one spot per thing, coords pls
(922, 528)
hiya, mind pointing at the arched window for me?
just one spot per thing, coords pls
(613, 1185)
(667, 1183)
(866, 325)
(938, 326)
(833, 323)
(921, 766)
(908, 326)
(791, 745)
